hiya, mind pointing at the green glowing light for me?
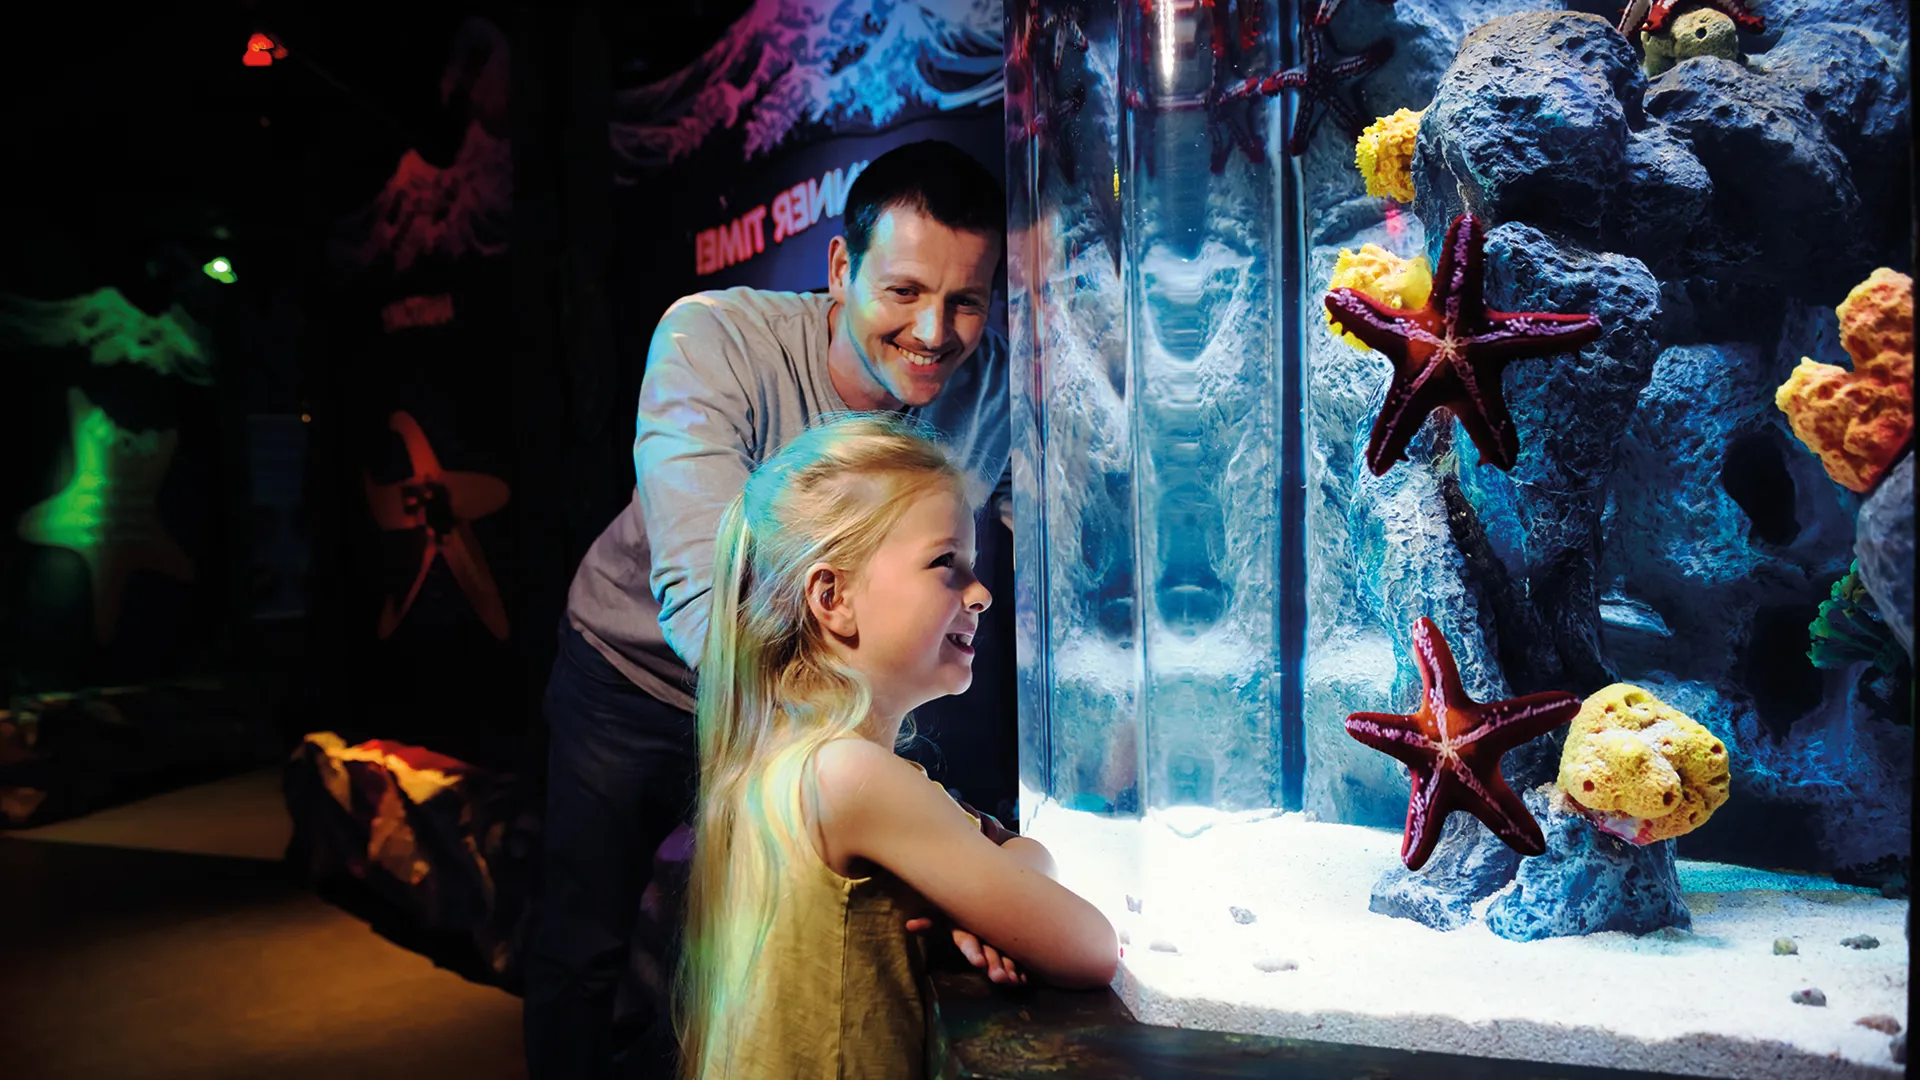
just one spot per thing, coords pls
(107, 513)
(220, 270)
(113, 331)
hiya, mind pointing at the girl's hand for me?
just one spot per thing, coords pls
(998, 966)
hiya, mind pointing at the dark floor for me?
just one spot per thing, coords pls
(119, 960)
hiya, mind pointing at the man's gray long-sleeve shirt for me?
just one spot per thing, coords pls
(731, 377)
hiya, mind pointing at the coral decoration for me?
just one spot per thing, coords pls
(427, 212)
(1384, 154)
(1660, 13)
(1700, 32)
(1383, 276)
(1452, 747)
(1850, 629)
(108, 512)
(440, 504)
(1876, 325)
(1641, 769)
(113, 331)
(1860, 421)
(1450, 353)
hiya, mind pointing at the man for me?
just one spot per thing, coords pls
(731, 376)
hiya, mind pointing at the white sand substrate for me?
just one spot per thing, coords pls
(1715, 1001)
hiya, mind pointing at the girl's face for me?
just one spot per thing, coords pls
(917, 606)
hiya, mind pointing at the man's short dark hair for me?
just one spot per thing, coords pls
(935, 178)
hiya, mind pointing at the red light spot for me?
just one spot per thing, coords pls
(262, 51)
(1396, 224)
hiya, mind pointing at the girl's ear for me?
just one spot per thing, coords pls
(827, 599)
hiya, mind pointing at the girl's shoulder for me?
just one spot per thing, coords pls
(860, 786)
(846, 768)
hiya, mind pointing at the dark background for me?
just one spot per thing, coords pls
(140, 147)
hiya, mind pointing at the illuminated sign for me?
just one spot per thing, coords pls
(793, 211)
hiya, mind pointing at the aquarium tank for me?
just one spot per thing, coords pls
(1464, 501)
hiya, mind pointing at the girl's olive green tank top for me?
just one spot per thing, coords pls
(841, 992)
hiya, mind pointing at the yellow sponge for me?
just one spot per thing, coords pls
(1384, 153)
(1643, 770)
(1384, 276)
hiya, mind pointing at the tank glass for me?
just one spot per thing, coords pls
(1463, 480)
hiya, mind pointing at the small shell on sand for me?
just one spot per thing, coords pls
(1809, 996)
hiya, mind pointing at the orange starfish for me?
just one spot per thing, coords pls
(1453, 745)
(440, 504)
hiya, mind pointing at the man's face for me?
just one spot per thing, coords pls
(916, 309)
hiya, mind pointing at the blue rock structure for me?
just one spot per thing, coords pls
(1469, 865)
(1588, 882)
(1483, 143)
(1885, 546)
(1662, 526)
(1573, 409)
(1765, 151)
(1689, 536)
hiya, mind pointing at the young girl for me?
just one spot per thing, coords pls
(844, 597)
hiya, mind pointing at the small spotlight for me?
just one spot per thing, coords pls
(262, 51)
(220, 270)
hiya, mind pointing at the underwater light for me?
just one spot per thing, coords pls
(220, 270)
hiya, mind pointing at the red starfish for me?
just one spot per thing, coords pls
(1318, 78)
(1660, 14)
(1452, 746)
(1449, 354)
(440, 504)
(1050, 33)
(1232, 119)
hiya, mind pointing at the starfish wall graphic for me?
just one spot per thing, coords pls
(440, 505)
(1452, 747)
(107, 513)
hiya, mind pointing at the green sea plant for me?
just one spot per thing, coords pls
(1850, 629)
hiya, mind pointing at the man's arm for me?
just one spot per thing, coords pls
(692, 451)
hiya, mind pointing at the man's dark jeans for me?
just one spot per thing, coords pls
(621, 770)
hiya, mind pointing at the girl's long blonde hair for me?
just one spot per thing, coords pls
(771, 692)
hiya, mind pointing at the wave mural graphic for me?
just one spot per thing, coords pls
(849, 67)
